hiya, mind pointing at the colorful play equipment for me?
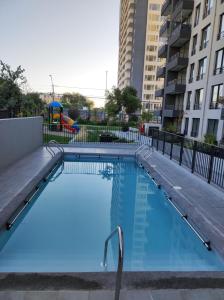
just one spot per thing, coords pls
(58, 121)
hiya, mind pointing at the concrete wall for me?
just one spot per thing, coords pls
(19, 137)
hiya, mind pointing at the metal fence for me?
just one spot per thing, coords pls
(90, 134)
(203, 159)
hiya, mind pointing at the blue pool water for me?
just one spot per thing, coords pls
(65, 226)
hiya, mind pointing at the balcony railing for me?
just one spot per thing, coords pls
(218, 71)
(197, 106)
(165, 7)
(215, 105)
(204, 45)
(180, 35)
(220, 35)
(174, 107)
(207, 12)
(200, 76)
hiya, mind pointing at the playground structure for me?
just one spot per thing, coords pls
(58, 121)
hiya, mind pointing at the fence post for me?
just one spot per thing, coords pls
(211, 165)
(194, 156)
(181, 151)
(171, 147)
(152, 143)
(157, 146)
(164, 141)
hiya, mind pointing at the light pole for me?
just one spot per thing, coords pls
(106, 80)
(52, 86)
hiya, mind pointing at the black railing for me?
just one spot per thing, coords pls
(201, 158)
(65, 134)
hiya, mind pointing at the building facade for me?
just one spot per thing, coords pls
(151, 61)
(193, 73)
(140, 22)
(203, 114)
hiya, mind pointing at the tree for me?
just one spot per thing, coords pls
(130, 100)
(147, 116)
(10, 88)
(119, 100)
(76, 101)
(114, 102)
(32, 104)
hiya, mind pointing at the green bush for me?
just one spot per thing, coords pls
(210, 139)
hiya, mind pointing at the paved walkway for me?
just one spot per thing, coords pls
(204, 294)
(18, 180)
(203, 203)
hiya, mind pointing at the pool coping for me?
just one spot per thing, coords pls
(106, 280)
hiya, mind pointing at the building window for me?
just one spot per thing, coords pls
(150, 58)
(199, 94)
(205, 37)
(150, 68)
(191, 76)
(212, 126)
(194, 44)
(217, 93)
(186, 126)
(188, 104)
(202, 68)
(221, 27)
(219, 62)
(208, 7)
(195, 127)
(150, 77)
(152, 48)
(149, 87)
(154, 6)
(197, 15)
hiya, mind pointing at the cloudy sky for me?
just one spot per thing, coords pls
(74, 40)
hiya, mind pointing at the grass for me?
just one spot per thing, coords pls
(57, 138)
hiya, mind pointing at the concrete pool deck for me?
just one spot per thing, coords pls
(18, 180)
(201, 202)
(205, 294)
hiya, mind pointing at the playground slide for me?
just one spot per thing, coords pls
(69, 124)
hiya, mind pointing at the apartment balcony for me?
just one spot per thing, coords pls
(161, 72)
(162, 52)
(180, 35)
(185, 7)
(159, 93)
(172, 111)
(175, 87)
(177, 62)
(166, 8)
(164, 29)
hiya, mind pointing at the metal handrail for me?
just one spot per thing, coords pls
(57, 145)
(120, 258)
(50, 150)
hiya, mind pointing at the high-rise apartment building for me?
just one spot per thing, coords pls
(151, 61)
(140, 22)
(194, 71)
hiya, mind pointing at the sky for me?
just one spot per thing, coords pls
(74, 40)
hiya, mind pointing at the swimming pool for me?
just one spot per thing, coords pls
(65, 226)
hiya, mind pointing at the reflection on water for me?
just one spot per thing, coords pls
(66, 226)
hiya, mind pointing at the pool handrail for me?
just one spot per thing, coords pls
(50, 150)
(119, 231)
(57, 145)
